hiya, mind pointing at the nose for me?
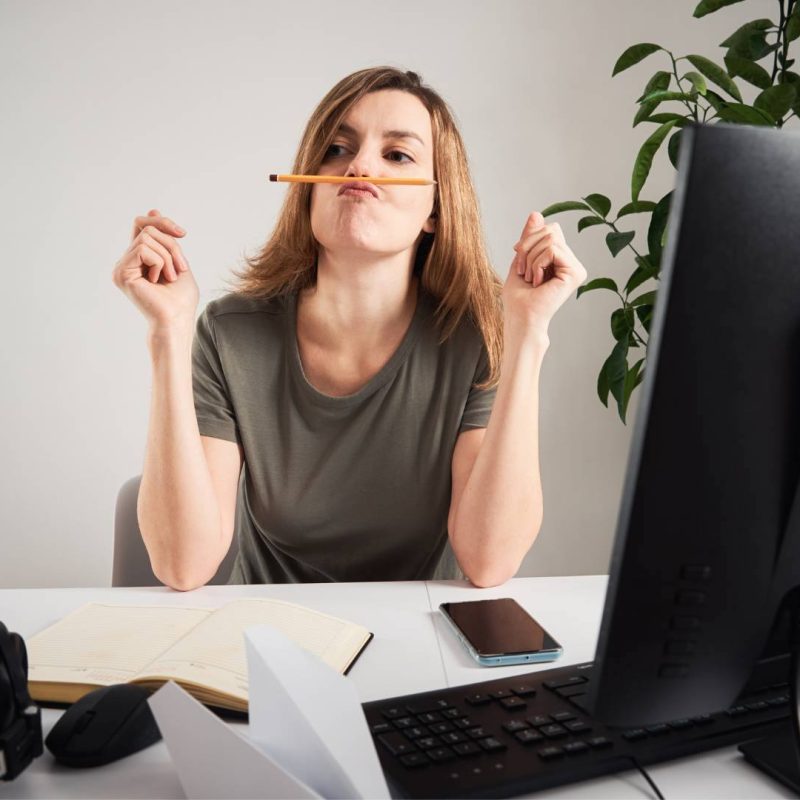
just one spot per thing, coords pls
(361, 165)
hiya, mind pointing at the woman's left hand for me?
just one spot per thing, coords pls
(544, 273)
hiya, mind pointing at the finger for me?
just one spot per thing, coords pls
(178, 258)
(553, 231)
(535, 220)
(152, 261)
(544, 248)
(155, 240)
(162, 223)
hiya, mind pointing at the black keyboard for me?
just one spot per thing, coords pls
(510, 736)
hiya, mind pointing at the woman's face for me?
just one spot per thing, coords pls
(370, 142)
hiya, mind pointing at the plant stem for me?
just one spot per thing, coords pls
(781, 27)
(692, 111)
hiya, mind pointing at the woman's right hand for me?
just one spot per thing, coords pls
(154, 274)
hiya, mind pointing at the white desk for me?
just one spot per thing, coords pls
(413, 651)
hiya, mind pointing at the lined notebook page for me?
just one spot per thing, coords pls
(213, 653)
(104, 644)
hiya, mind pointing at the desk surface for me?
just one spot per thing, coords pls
(413, 651)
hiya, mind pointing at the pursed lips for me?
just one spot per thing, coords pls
(359, 189)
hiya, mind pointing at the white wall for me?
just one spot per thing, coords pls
(111, 108)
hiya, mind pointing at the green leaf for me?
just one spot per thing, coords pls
(698, 81)
(659, 81)
(633, 55)
(680, 121)
(793, 26)
(658, 224)
(602, 385)
(644, 159)
(636, 208)
(710, 6)
(598, 283)
(745, 115)
(616, 368)
(617, 240)
(632, 379)
(749, 40)
(645, 110)
(586, 222)
(645, 314)
(567, 205)
(749, 70)
(715, 101)
(715, 74)
(661, 96)
(642, 273)
(672, 148)
(776, 100)
(599, 203)
(622, 323)
(648, 298)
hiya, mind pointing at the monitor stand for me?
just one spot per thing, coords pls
(777, 756)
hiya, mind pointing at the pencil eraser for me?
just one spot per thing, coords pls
(273, 177)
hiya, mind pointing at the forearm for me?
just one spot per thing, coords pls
(178, 512)
(500, 510)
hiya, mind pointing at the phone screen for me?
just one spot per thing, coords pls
(499, 627)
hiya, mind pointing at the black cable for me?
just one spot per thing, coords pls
(646, 777)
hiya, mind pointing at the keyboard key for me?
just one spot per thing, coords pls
(523, 690)
(415, 760)
(395, 712)
(478, 699)
(427, 719)
(416, 732)
(500, 694)
(404, 722)
(428, 706)
(658, 729)
(539, 720)
(549, 753)
(553, 731)
(573, 680)
(678, 724)
(515, 725)
(491, 745)
(577, 726)
(478, 733)
(464, 722)
(529, 736)
(736, 711)
(467, 749)
(581, 701)
(563, 716)
(451, 713)
(440, 727)
(441, 754)
(381, 727)
(396, 743)
(574, 748)
(513, 703)
(427, 742)
(634, 734)
(702, 719)
(599, 742)
(778, 701)
(760, 705)
(453, 738)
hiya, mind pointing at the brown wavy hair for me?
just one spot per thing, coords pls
(452, 263)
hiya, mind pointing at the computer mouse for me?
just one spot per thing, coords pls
(104, 725)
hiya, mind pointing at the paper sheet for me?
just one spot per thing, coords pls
(309, 718)
(308, 734)
(211, 758)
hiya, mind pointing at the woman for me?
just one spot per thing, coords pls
(375, 378)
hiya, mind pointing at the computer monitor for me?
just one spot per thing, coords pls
(707, 546)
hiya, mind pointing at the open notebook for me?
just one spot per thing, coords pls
(201, 649)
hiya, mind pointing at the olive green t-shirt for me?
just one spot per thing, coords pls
(353, 488)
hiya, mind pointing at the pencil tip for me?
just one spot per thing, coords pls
(273, 177)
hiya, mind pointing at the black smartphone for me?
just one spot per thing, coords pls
(500, 632)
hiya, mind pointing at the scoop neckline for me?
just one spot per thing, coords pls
(383, 375)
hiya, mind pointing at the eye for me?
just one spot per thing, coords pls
(329, 154)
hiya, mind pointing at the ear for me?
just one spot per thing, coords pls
(430, 224)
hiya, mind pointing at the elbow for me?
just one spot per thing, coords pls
(487, 578)
(178, 579)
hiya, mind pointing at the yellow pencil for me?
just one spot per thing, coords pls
(347, 179)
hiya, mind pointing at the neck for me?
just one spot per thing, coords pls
(357, 306)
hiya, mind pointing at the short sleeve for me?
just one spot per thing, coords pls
(479, 401)
(212, 400)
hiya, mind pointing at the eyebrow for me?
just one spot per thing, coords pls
(393, 134)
